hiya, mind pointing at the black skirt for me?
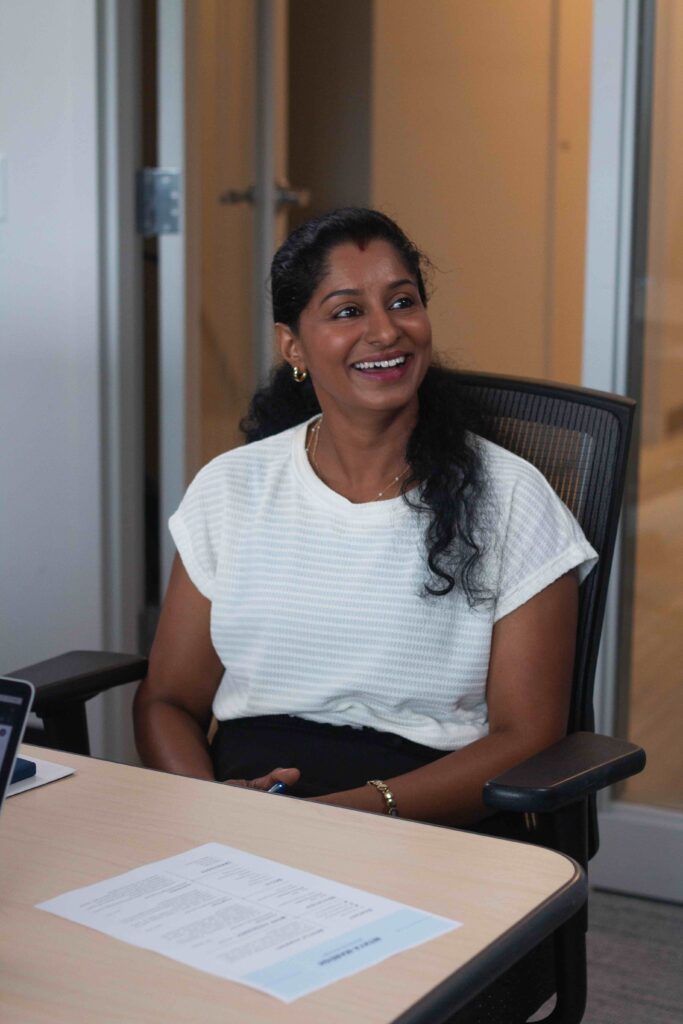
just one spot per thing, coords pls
(330, 758)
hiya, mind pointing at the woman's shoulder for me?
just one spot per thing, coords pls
(250, 459)
(509, 476)
(503, 464)
(235, 479)
(526, 502)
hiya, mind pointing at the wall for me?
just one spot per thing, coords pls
(70, 367)
(330, 60)
(50, 520)
(662, 409)
(479, 149)
(568, 187)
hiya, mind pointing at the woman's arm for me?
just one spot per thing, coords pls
(172, 708)
(528, 694)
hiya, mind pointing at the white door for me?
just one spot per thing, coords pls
(633, 345)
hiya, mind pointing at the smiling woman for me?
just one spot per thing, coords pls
(368, 594)
(365, 340)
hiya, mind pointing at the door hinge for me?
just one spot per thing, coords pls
(158, 201)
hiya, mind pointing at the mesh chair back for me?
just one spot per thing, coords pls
(579, 440)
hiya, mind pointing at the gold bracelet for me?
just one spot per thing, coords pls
(391, 808)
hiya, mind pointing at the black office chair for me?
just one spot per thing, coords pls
(579, 440)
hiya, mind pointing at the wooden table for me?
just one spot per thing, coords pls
(109, 818)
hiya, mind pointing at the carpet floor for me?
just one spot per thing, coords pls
(635, 961)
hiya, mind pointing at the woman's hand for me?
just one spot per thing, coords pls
(290, 776)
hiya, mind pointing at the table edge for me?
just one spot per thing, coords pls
(465, 983)
(458, 989)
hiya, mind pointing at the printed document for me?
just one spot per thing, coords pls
(250, 920)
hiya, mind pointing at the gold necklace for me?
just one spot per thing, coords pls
(312, 450)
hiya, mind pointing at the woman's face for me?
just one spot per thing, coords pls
(365, 336)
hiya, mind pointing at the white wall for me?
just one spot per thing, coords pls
(50, 435)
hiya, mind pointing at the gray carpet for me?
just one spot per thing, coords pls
(635, 961)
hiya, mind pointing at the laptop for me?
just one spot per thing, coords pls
(16, 697)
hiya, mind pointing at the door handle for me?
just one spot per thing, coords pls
(285, 195)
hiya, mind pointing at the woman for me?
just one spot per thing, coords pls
(369, 595)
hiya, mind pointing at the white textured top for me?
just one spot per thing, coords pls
(317, 606)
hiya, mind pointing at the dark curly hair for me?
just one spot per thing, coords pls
(300, 263)
(441, 454)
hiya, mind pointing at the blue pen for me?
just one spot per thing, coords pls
(279, 787)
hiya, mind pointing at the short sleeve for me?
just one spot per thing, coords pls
(197, 528)
(542, 541)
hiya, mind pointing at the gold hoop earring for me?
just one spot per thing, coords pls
(299, 375)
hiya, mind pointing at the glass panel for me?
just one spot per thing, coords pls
(656, 697)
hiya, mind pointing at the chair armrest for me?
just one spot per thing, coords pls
(577, 766)
(79, 675)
